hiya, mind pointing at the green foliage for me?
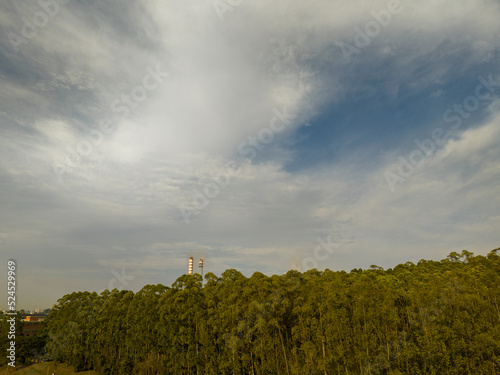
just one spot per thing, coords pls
(426, 318)
(27, 348)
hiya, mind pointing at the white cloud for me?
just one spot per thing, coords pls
(119, 205)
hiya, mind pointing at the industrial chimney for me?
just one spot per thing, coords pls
(190, 270)
(200, 266)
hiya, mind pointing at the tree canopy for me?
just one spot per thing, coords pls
(433, 317)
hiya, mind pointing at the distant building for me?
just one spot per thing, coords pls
(32, 323)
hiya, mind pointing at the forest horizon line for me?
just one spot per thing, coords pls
(427, 318)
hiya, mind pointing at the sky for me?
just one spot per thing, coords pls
(258, 135)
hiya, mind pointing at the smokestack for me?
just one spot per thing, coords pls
(190, 270)
(200, 266)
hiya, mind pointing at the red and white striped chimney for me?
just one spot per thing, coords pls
(190, 270)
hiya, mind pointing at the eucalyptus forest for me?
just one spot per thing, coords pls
(433, 317)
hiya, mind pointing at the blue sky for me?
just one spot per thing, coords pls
(135, 136)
